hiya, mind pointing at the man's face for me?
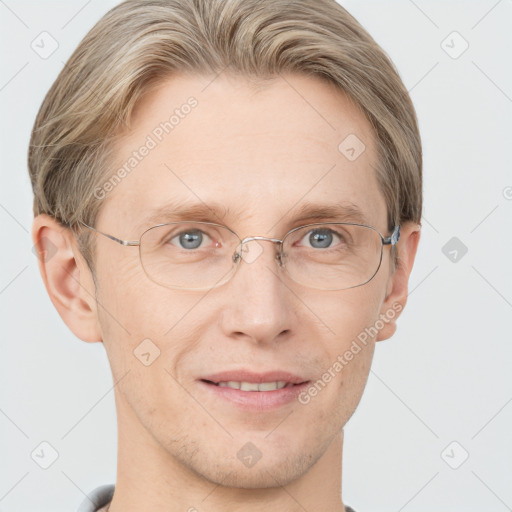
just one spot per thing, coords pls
(263, 153)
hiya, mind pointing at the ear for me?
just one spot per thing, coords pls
(397, 288)
(67, 277)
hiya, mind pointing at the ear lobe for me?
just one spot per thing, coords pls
(398, 283)
(66, 277)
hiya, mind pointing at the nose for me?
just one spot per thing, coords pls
(259, 305)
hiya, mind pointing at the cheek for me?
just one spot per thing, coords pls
(142, 321)
(123, 284)
(345, 314)
(358, 312)
(347, 349)
(125, 311)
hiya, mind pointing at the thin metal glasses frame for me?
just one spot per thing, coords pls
(237, 257)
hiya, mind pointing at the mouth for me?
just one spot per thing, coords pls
(253, 392)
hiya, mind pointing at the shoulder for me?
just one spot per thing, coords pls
(97, 498)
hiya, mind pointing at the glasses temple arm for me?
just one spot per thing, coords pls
(118, 240)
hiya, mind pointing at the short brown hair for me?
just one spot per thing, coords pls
(141, 42)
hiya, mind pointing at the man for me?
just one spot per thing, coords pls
(232, 190)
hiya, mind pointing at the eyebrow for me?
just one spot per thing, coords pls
(216, 212)
(343, 211)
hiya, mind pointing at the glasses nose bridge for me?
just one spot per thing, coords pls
(247, 239)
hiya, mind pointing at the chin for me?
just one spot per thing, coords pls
(273, 468)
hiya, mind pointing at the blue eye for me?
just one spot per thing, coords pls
(189, 239)
(321, 238)
(324, 239)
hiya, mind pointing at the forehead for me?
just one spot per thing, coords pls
(261, 151)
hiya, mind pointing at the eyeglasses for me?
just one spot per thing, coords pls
(203, 255)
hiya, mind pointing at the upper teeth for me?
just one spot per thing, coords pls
(253, 386)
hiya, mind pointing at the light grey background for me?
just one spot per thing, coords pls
(443, 378)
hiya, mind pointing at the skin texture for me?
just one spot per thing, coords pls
(262, 151)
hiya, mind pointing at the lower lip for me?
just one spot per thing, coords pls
(256, 400)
